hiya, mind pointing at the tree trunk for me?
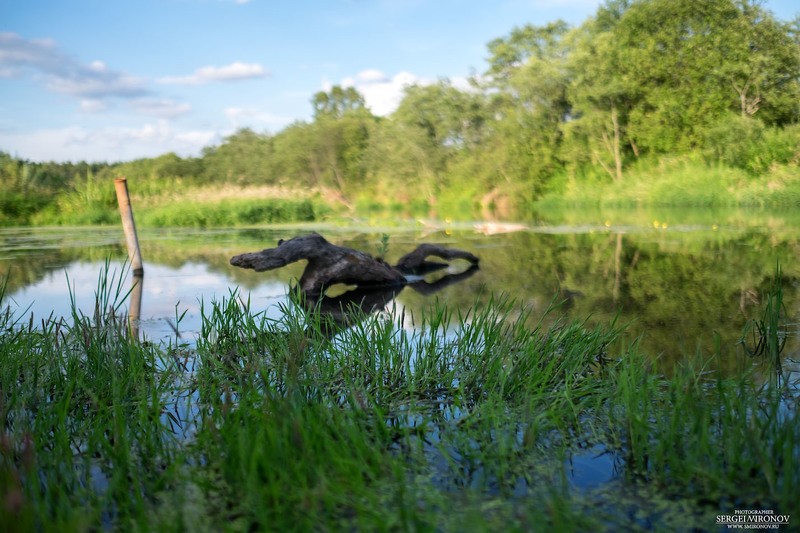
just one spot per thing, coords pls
(617, 152)
(329, 264)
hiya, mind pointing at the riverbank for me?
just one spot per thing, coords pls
(687, 181)
(678, 182)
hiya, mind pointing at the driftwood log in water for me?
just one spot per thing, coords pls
(329, 264)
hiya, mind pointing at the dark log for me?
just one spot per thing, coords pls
(329, 264)
(416, 262)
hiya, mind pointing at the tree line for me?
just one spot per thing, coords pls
(716, 80)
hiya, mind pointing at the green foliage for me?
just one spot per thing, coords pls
(680, 181)
(706, 437)
(745, 143)
(27, 188)
(274, 424)
(557, 107)
(243, 158)
(91, 200)
(293, 155)
(87, 377)
(17, 208)
(383, 248)
(767, 336)
(734, 140)
(532, 104)
(231, 213)
(337, 102)
(651, 76)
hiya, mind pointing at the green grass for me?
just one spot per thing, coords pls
(470, 421)
(680, 181)
(187, 212)
(233, 212)
(690, 180)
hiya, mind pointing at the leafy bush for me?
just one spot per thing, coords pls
(745, 143)
(732, 140)
(18, 208)
(778, 146)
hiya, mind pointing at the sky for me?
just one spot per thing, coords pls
(116, 80)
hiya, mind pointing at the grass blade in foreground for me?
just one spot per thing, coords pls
(476, 422)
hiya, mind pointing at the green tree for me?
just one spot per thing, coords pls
(399, 163)
(765, 72)
(337, 102)
(652, 75)
(528, 81)
(444, 120)
(243, 158)
(338, 149)
(601, 99)
(294, 157)
(329, 152)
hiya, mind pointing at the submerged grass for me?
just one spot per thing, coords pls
(474, 422)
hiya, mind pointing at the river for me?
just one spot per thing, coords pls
(683, 281)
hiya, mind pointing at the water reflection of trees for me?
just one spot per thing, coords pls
(680, 291)
(21, 270)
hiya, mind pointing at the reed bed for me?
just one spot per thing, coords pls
(481, 421)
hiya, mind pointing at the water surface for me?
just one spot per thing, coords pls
(684, 283)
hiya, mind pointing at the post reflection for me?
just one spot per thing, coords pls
(135, 309)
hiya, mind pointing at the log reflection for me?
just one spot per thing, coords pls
(336, 313)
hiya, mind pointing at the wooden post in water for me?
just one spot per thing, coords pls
(129, 226)
(135, 309)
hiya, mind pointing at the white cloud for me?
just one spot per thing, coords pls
(241, 117)
(198, 139)
(381, 93)
(62, 73)
(465, 84)
(371, 76)
(76, 143)
(92, 106)
(104, 85)
(233, 72)
(161, 108)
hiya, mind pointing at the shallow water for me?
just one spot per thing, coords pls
(682, 286)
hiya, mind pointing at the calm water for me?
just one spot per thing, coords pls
(684, 281)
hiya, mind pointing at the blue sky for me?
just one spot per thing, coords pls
(116, 80)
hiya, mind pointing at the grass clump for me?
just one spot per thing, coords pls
(81, 404)
(231, 212)
(680, 181)
(723, 444)
(473, 421)
(376, 425)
